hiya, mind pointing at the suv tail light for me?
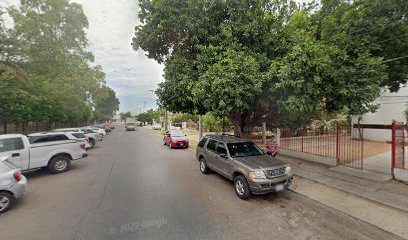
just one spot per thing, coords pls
(82, 146)
(17, 175)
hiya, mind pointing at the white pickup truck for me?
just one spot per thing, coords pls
(54, 151)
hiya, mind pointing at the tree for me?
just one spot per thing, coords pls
(272, 61)
(44, 63)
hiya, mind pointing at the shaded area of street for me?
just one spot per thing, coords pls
(133, 187)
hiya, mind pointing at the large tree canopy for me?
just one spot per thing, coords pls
(46, 72)
(272, 59)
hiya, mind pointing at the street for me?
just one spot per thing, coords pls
(131, 186)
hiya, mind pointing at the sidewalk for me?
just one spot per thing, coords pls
(383, 204)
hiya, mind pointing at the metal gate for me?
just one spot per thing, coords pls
(350, 146)
(398, 145)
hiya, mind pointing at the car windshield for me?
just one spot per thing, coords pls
(244, 149)
(177, 134)
(130, 124)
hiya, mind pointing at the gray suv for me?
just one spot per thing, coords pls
(243, 162)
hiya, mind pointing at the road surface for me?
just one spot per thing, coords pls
(133, 187)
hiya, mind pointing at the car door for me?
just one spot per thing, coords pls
(211, 157)
(225, 163)
(14, 147)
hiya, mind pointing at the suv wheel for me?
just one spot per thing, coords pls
(7, 200)
(59, 164)
(242, 187)
(203, 166)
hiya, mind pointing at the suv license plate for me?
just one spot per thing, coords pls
(181, 144)
(279, 187)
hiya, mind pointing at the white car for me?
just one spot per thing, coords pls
(156, 127)
(81, 136)
(52, 150)
(13, 184)
(99, 130)
(93, 137)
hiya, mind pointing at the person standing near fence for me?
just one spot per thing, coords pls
(272, 147)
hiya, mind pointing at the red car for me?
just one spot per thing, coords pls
(175, 139)
(111, 126)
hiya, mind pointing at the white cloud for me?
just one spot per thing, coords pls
(111, 27)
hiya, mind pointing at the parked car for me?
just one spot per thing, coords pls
(93, 137)
(107, 130)
(175, 139)
(52, 150)
(110, 125)
(13, 184)
(99, 130)
(81, 136)
(156, 127)
(244, 163)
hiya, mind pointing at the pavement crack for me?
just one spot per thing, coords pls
(106, 183)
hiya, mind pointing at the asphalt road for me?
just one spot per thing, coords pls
(133, 187)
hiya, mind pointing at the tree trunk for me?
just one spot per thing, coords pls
(5, 127)
(360, 130)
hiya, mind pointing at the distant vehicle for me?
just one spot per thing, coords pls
(156, 127)
(13, 184)
(93, 136)
(130, 124)
(53, 150)
(241, 161)
(99, 130)
(175, 139)
(139, 123)
(107, 130)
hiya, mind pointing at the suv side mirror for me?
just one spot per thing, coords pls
(223, 155)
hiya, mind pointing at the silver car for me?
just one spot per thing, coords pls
(241, 161)
(13, 184)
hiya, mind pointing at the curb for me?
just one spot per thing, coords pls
(346, 202)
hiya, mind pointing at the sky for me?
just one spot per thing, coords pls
(130, 73)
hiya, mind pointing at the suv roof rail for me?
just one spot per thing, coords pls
(231, 135)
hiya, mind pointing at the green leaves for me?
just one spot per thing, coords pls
(44, 56)
(273, 60)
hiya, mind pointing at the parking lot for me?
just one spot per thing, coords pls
(131, 186)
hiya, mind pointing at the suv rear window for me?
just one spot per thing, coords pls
(211, 145)
(11, 144)
(202, 142)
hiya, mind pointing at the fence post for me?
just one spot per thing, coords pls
(303, 133)
(337, 144)
(263, 132)
(278, 136)
(394, 145)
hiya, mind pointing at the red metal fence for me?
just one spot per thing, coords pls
(344, 142)
(320, 142)
(399, 158)
(350, 146)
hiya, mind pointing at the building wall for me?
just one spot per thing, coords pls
(392, 106)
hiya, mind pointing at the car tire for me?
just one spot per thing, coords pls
(7, 200)
(241, 187)
(92, 142)
(59, 164)
(203, 166)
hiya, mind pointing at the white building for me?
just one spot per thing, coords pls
(392, 107)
